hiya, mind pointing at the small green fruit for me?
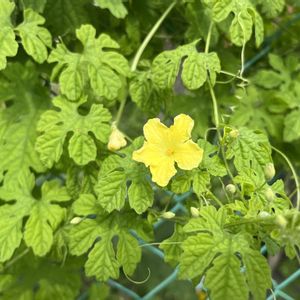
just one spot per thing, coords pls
(194, 212)
(230, 188)
(168, 215)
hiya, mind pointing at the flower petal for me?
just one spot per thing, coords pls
(182, 128)
(188, 155)
(149, 154)
(155, 132)
(163, 171)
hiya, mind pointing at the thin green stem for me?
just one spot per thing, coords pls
(243, 221)
(234, 76)
(215, 106)
(217, 122)
(150, 35)
(293, 172)
(208, 37)
(216, 199)
(140, 51)
(121, 109)
(243, 59)
(16, 258)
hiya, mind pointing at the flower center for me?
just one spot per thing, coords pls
(170, 152)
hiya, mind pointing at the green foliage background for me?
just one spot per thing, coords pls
(74, 215)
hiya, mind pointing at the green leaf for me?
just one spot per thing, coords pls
(201, 180)
(225, 279)
(102, 68)
(211, 220)
(258, 273)
(83, 235)
(181, 183)
(197, 178)
(35, 39)
(102, 261)
(36, 5)
(53, 281)
(22, 86)
(85, 205)
(249, 149)
(292, 126)
(111, 190)
(259, 28)
(9, 46)
(114, 174)
(221, 9)
(172, 246)
(199, 252)
(144, 92)
(195, 67)
(38, 232)
(198, 20)
(255, 110)
(271, 8)
(64, 16)
(245, 17)
(55, 125)
(241, 28)
(140, 194)
(99, 291)
(268, 79)
(10, 236)
(211, 161)
(128, 252)
(44, 216)
(116, 7)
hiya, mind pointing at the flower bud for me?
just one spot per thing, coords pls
(230, 188)
(264, 214)
(116, 139)
(234, 133)
(269, 171)
(194, 212)
(269, 194)
(281, 221)
(168, 215)
(76, 220)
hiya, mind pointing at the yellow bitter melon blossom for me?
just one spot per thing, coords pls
(164, 146)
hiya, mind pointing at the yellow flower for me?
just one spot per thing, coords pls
(116, 139)
(164, 146)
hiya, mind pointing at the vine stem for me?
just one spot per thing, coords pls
(215, 106)
(293, 172)
(208, 38)
(140, 51)
(234, 76)
(15, 259)
(266, 220)
(243, 59)
(217, 123)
